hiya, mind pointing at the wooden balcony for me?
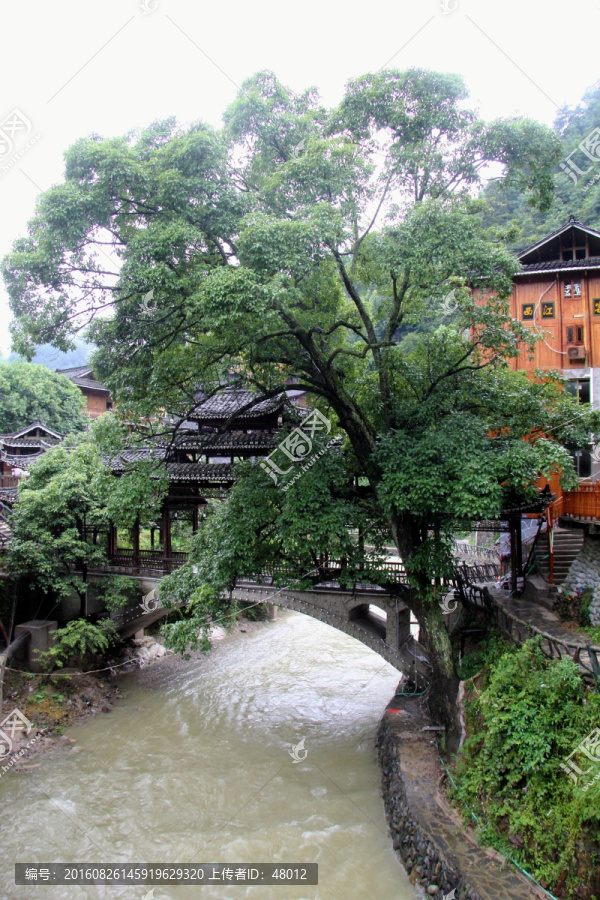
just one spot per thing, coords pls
(582, 504)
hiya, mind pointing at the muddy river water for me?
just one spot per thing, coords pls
(197, 767)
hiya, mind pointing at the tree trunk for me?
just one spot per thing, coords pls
(433, 634)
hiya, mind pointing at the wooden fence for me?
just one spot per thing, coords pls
(587, 656)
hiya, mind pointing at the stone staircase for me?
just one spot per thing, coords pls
(568, 543)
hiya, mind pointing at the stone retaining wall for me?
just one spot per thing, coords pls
(585, 573)
(422, 859)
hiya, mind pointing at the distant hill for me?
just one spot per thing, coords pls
(53, 359)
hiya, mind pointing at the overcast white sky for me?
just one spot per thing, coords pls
(73, 67)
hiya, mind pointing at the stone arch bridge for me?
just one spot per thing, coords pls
(377, 617)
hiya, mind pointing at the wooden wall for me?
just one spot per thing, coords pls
(96, 402)
(543, 297)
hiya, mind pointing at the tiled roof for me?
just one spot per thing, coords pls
(75, 370)
(28, 443)
(50, 432)
(208, 472)
(227, 402)
(83, 376)
(227, 441)
(558, 265)
(572, 223)
(20, 462)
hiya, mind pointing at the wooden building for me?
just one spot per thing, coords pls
(19, 449)
(557, 295)
(199, 458)
(97, 396)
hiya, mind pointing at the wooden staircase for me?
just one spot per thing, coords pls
(567, 545)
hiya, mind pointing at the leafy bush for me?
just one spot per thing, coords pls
(79, 641)
(118, 592)
(531, 715)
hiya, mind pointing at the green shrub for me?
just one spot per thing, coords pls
(531, 715)
(79, 641)
(119, 591)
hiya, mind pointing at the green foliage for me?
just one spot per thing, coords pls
(119, 591)
(506, 206)
(531, 715)
(79, 641)
(58, 504)
(311, 249)
(30, 393)
(486, 653)
(574, 604)
(70, 494)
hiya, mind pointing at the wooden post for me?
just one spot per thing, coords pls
(112, 540)
(166, 536)
(136, 544)
(195, 520)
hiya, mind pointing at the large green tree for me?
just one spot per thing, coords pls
(334, 251)
(30, 393)
(60, 519)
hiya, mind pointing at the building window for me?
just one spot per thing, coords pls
(572, 289)
(583, 463)
(580, 389)
(108, 404)
(574, 334)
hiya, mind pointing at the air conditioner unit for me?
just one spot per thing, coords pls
(575, 351)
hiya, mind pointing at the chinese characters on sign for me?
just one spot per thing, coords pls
(596, 302)
(527, 311)
(547, 310)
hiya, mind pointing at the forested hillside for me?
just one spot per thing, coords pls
(580, 197)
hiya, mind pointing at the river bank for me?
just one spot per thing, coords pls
(52, 702)
(439, 853)
(195, 762)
